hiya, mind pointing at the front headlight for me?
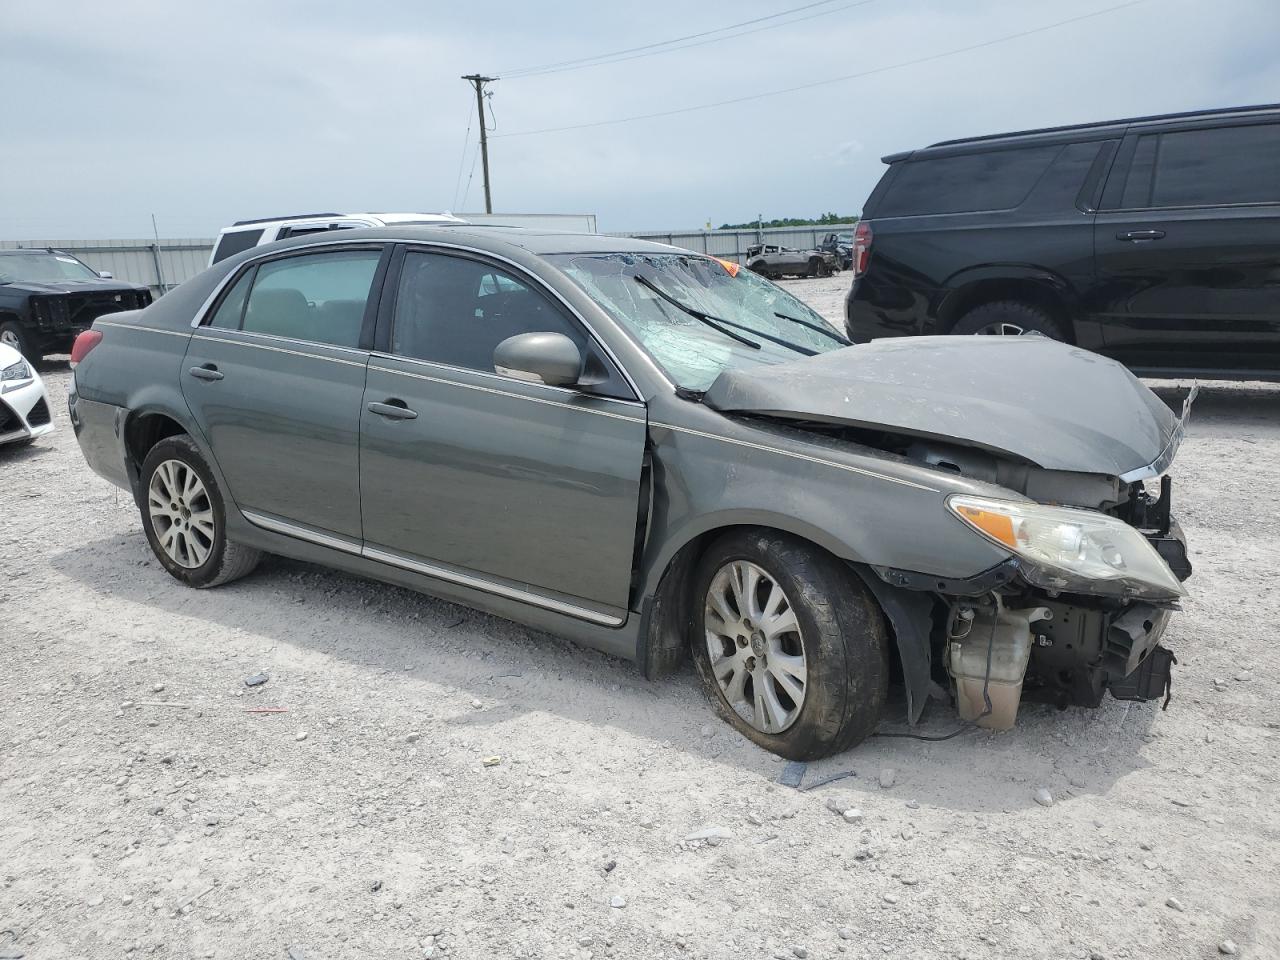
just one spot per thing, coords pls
(15, 375)
(1070, 549)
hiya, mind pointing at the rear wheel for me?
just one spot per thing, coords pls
(789, 645)
(185, 518)
(12, 335)
(1008, 318)
(817, 268)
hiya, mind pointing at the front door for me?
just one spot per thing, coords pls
(1188, 256)
(275, 377)
(513, 487)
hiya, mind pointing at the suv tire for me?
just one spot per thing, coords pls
(187, 529)
(817, 268)
(12, 334)
(825, 627)
(1010, 318)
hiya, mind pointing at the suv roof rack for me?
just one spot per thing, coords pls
(1256, 108)
(291, 216)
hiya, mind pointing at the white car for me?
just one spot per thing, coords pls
(24, 403)
(244, 234)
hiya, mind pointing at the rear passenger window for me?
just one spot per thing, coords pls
(1199, 168)
(229, 312)
(318, 297)
(997, 180)
(456, 311)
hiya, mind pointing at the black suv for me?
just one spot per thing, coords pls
(48, 296)
(1155, 241)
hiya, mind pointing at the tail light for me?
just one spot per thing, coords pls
(862, 238)
(85, 342)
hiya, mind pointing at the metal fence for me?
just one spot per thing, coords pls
(162, 265)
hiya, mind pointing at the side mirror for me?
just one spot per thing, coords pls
(105, 275)
(550, 358)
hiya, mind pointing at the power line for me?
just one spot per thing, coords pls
(587, 61)
(701, 43)
(821, 83)
(462, 160)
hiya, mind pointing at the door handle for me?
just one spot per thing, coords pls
(1139, 236)
(393, 410)
(207, 372)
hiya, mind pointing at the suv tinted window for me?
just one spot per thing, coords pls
(319, 297)
(456, 311)
(234, 242)
(984, 181)
(1196, 168)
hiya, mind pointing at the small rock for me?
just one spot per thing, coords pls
(157, 688)
(257, 680)
(300, 735)
(375, 886)
(1173, 903)
(1024, 909)
(888, 777)
(913, 805)
(476, 704)
(705, 732)
(711, 835)
(294, 952)
(1044, 797)
(1179, 802)
(800, 952)
(412, 737)
(95, 900)
(1244, 676)
(609, 867)
(617, 902)
(126, 899)
(844, 933)
(1228, 948)
(754, 820)
(853, 815)
(890, 898)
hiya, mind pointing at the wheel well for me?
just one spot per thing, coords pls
(144, 431)
(670, 617)
(1034, 292)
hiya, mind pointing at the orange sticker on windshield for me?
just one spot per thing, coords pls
(731, 267)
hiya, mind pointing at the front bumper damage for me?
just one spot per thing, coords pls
(996, 641)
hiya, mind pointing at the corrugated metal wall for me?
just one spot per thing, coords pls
(164, 265)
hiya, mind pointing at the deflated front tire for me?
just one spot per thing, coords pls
(790, 647)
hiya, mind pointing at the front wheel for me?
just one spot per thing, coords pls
(12, 335)
(1008, 318)
(185, 519)
(789, 645)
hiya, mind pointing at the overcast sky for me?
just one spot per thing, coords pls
(207, 113)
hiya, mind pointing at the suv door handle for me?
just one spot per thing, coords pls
(207, 372)
(393, 410)
(1138, 236)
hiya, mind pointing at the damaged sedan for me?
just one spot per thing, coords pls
(660, 455)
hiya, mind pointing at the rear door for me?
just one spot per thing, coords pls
(512, 487)
(1187, 248)
(275, 375)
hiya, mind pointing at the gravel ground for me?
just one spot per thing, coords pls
(443, 783)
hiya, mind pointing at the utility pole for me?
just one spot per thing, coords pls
(478, 82)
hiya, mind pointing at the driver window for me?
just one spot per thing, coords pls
(455, 311)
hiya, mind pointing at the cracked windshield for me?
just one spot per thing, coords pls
(699, 316)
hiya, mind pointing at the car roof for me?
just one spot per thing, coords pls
(1100, 129)
(296, 217)
(494, 238)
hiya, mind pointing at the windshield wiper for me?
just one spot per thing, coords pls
(713, 322)
(826, 332)
(719, 323)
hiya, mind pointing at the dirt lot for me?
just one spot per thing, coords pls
(144, 811)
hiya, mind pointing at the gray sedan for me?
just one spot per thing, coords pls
(659, 455)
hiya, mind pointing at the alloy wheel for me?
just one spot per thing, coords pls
(1003, 330)
(10, 339)
(755, 647)
(181, 513)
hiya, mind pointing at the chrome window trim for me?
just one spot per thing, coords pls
(796, 456)
(202, 313)
(391, 558)
(236, 341)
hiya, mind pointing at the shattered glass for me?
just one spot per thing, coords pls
(693, 354)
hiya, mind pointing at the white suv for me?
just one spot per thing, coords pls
(244, 234)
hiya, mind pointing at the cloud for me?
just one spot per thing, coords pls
(205, 114)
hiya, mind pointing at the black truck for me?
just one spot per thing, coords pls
(48, 296)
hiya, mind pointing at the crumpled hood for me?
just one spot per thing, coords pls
(1031, 398)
